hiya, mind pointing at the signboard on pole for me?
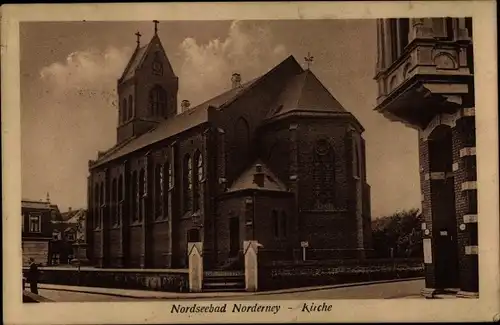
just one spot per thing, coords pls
(304, 244)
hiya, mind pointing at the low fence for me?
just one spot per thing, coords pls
(137, 279)
(282, 275)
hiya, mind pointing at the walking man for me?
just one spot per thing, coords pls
(33, 275)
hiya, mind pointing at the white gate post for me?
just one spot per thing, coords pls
(195, 255)
(250, 249)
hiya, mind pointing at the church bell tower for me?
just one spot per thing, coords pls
(147, 89)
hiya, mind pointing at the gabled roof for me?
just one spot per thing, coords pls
(173, 125)
(72, 216)
(246, 180)
(186, 120)
(305, 92)
(133, 63)
(140, 55)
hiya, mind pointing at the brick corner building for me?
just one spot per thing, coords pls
(276, 159)
(425, 77)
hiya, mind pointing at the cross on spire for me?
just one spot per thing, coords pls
(156, 22)
(138, 38)
(309, 60)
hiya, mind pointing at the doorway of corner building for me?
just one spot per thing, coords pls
(234, 236)
(443, 208)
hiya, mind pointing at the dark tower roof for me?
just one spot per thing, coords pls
(139, 56)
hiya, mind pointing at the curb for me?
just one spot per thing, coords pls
(236, 294)
(335, 286)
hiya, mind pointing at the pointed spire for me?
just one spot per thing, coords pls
(48, 197)
(138, 38)
(156, 22)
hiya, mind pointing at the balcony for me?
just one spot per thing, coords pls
(431, 76)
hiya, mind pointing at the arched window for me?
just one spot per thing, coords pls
(101, 210)
(113, 205)
(96, 206)
(158, 190)
(130, 107)
(120, 198)
(166, 186)
(135, 197)
(198, 176)
(323, 175)
(170, 176)
(157, 101)
(187, 173)
(283, 225)
(124, 115)
(242, 137)
(142, 191)
(276, 223)
(199, 164)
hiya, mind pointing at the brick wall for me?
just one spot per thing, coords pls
(280, 246)
(36, 249)
(466, 201)
(114, 249)
(228, 207)
(425, 186)
(160, 244)
(462, 205)
(134, 248)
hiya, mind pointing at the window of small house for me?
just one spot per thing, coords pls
(35, 223)
(276, 224)
(283, 225)
(70, 236)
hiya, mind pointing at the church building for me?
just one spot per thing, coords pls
(425, 77)
(275, 159)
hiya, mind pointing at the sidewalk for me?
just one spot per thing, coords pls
(148, 294)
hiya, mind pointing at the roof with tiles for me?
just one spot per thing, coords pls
(270, 182)
(302, 92)
(174, 125)
(305, 92)
(140, 54)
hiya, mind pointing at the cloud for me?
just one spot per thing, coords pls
(90, 73)
(206, 68)
(73, 114)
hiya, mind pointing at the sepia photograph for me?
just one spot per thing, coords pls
(234, 166)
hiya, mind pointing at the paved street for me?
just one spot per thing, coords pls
(71, 296)
(403, 289)
(392, 290)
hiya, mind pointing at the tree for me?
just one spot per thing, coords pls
(400, 232)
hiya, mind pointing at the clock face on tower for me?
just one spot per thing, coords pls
(157, 65)
(322, 147)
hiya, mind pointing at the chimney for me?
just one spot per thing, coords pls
(258, 176)
(69, 209)
(236, 80)
(185, 105)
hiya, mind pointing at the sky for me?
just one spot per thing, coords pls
(69, 72)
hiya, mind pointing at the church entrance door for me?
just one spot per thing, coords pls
(234, 236)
